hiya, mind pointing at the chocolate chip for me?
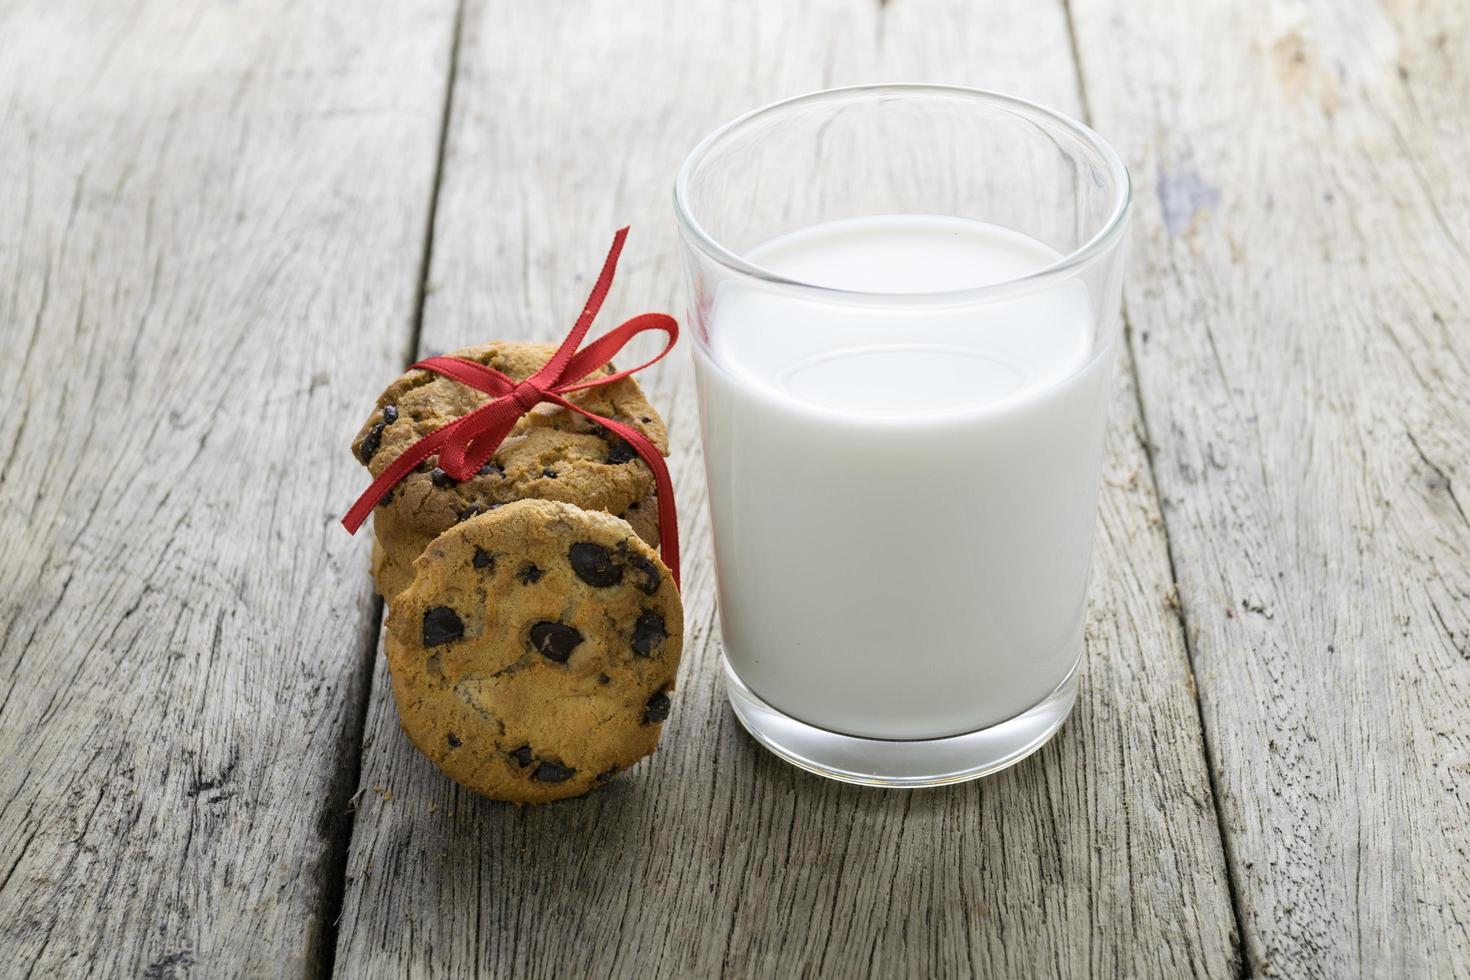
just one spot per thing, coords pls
(522, 756)
(552, 772)
(603, 777)
(549, 473)
(529, 574)
(483, 560)
(390, 414)
(386, 498)
(471, 511)
(555, 641)
(453, 740)
(594, 564)
(657, 709)
(440, 478)
(370, 443)
(488, 468)
(441, 625)
(644, 418)
(620, 452)
(604, 679)
(649, 571)
(648, 633)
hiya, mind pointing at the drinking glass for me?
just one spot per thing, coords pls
(905, 311)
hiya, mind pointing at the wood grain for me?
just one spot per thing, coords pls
(213, 217)
(1301, 318)
(1100, 856)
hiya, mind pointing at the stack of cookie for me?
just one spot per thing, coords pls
(533, 632)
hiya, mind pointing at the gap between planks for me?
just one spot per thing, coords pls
(1242, 959)
(335, 888)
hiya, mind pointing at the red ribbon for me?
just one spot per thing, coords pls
(467, 443)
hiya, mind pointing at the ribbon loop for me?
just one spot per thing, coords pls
(468, 443)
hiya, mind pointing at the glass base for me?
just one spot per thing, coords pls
(901, 764)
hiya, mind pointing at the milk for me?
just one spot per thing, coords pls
(902, 495)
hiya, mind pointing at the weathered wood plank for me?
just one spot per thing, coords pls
(714, 857)
(1301, 316)
(204, 207)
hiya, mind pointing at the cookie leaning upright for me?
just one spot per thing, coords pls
(533, 653)
(551, 454)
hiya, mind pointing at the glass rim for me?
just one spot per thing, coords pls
(1084, 255)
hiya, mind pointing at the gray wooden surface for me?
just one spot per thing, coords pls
(212, 219)
(1300, 307)
(224, 228)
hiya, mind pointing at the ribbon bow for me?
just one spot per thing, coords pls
(467, 443)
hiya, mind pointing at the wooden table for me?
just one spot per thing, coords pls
(227, 226)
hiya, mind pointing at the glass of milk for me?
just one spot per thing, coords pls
(905, 311)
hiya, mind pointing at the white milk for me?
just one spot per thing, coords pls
(903, 498)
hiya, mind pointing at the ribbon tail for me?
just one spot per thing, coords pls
(668, 513)
(463, 457)
(396, 471)
(553, 370)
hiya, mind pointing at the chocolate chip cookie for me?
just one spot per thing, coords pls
(551, 454)
(534, 653)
